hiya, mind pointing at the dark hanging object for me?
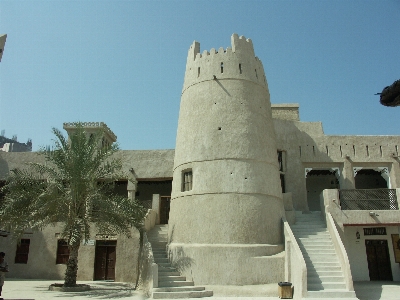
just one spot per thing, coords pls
(390, 95)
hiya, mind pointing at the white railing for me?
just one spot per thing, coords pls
(295, 265)
(340, 250)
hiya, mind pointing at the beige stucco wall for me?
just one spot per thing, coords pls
(286, 111)
(348, 222)
(306, 146)
(226, 138)
(42, 256)
(357, 252)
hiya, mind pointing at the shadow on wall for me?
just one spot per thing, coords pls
(180, 261)
(305, 146)
(41, 262)
(178, 258)
(145, 269)
(373, 290)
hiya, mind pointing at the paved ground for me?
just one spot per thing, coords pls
(38, 289)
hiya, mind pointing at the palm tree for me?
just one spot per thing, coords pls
(74, 186)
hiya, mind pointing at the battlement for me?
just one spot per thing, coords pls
(92, 126)
(235, 62)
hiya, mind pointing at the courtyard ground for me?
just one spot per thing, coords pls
(23, 289)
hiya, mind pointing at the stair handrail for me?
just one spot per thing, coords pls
(295, 269)
(340, 250)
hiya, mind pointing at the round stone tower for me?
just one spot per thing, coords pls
(226, 205)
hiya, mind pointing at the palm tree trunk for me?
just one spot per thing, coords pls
(72, 266)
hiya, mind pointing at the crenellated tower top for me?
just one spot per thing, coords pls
(236, 62)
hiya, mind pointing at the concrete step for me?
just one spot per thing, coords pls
(180, 295)
(309, 225)
(175, 283)
(323, 279)
(159, 250)
(307, 236)
(158, 244)
(312, 252)
(163, 277)
(302, 233)
(168, 273)
(326, 286)
(319, 258)
(321, 269)
(166, 269)
(156, 239)
(316, 242)
(158, 260)
(332, 294)
(179, 289)
(165, 265)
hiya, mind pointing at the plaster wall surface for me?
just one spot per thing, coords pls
(226, 139)
(43, 251)
(306, 146)
(357, 252)
(147, 164)
(286, 111)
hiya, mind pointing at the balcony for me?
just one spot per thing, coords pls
(368, 199)
(363, 207)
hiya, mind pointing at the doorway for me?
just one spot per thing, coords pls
(318, 180)
(164, 209)
(378, 260)
(104, 262)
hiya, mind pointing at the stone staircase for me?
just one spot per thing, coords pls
(324, 274)
(170, 284)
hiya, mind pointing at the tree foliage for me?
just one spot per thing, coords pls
(75, 187)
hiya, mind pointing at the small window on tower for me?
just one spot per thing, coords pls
(222, 67)
(187, 179)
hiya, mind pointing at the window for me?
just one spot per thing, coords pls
(62, 252)
(21, 255)
(187, 179)
(375, 231)
(282, 169)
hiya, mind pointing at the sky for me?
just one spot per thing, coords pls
(123, 62)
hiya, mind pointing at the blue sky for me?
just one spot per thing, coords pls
(123, 62)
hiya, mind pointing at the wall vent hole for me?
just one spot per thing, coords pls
(219, 128)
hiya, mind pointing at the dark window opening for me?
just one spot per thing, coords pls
(280, 160)
(240, 68)
(21, 255)
(187, 181)
(283, 183)
(62, 252)
(222, 67)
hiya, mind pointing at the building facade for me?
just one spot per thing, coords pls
(242, 167)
